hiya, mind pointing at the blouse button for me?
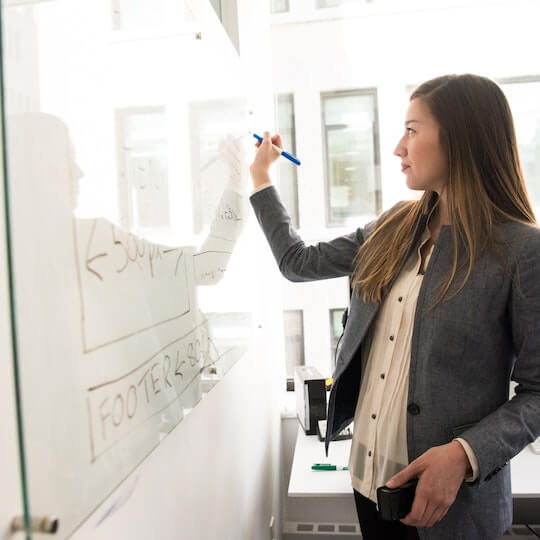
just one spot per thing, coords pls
(391, 338)
(382, 375)
(369, 453)
(400, 299)
(373, 416)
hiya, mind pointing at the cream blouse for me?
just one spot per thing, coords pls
(379, 445)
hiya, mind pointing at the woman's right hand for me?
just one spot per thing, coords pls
(265, 156)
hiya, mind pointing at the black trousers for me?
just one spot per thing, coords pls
(375, 528)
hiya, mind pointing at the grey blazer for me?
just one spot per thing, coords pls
(464, 353)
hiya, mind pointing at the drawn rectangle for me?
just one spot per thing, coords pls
(127, 284)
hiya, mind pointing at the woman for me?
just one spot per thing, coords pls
(445, 311)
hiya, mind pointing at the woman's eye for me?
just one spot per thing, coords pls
(409, 130)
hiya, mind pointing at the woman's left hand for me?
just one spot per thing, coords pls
(440, 472)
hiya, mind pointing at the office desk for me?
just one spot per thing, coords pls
(526, 474)
(307, 483)
(319, 498)
(329, 484)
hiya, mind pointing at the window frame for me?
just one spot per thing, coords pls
(520, 79)
(317, 5)
(333, 345)
(286, 10)
(295, 218)
(124, 191)
(366, 91)
(289, 381)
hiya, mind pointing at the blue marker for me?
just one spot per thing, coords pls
(290, 157)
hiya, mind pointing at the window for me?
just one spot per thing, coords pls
(336, 329)
(216, 4)
(288, 179)
(227, 341)
(279, 6)
(522, 95)
(227, 13)
(293, 321)
(143, 169)
(337, 3)
(139, 14)
(351, 135)
(210, 122)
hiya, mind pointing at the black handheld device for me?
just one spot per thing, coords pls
(396, 503)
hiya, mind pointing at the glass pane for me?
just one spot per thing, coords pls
(288, 178)
(144, 171)
(141, 14)
(279, 6)
(293, 321)
(216, 4)
(230, 333)
(352, 156)
(523, 99)
(134, 289)
(336, 3)
(336, 329)
(210, 119)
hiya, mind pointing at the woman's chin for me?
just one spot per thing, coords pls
(415, 186)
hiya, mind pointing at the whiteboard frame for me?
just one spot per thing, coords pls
(11, 501)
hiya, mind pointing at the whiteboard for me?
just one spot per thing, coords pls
(127, 179)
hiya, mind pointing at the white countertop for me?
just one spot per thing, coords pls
(526, 473)
(307, 483)
(309, 450)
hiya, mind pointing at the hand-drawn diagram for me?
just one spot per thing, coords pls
(126, 280)
(118, 406)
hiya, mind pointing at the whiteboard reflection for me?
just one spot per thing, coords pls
(133, 296)
(133, 353)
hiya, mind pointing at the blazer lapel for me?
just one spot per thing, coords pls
(362, 314)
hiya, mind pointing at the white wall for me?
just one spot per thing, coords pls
(256, 56)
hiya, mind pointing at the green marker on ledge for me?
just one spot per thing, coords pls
(328, 467)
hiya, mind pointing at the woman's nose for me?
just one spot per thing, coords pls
(400, 150)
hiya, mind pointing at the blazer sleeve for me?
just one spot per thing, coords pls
(296, 261)
(506, 431)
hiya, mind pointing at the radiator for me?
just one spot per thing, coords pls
(310, 528)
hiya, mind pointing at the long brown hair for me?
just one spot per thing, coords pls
(485, 184)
